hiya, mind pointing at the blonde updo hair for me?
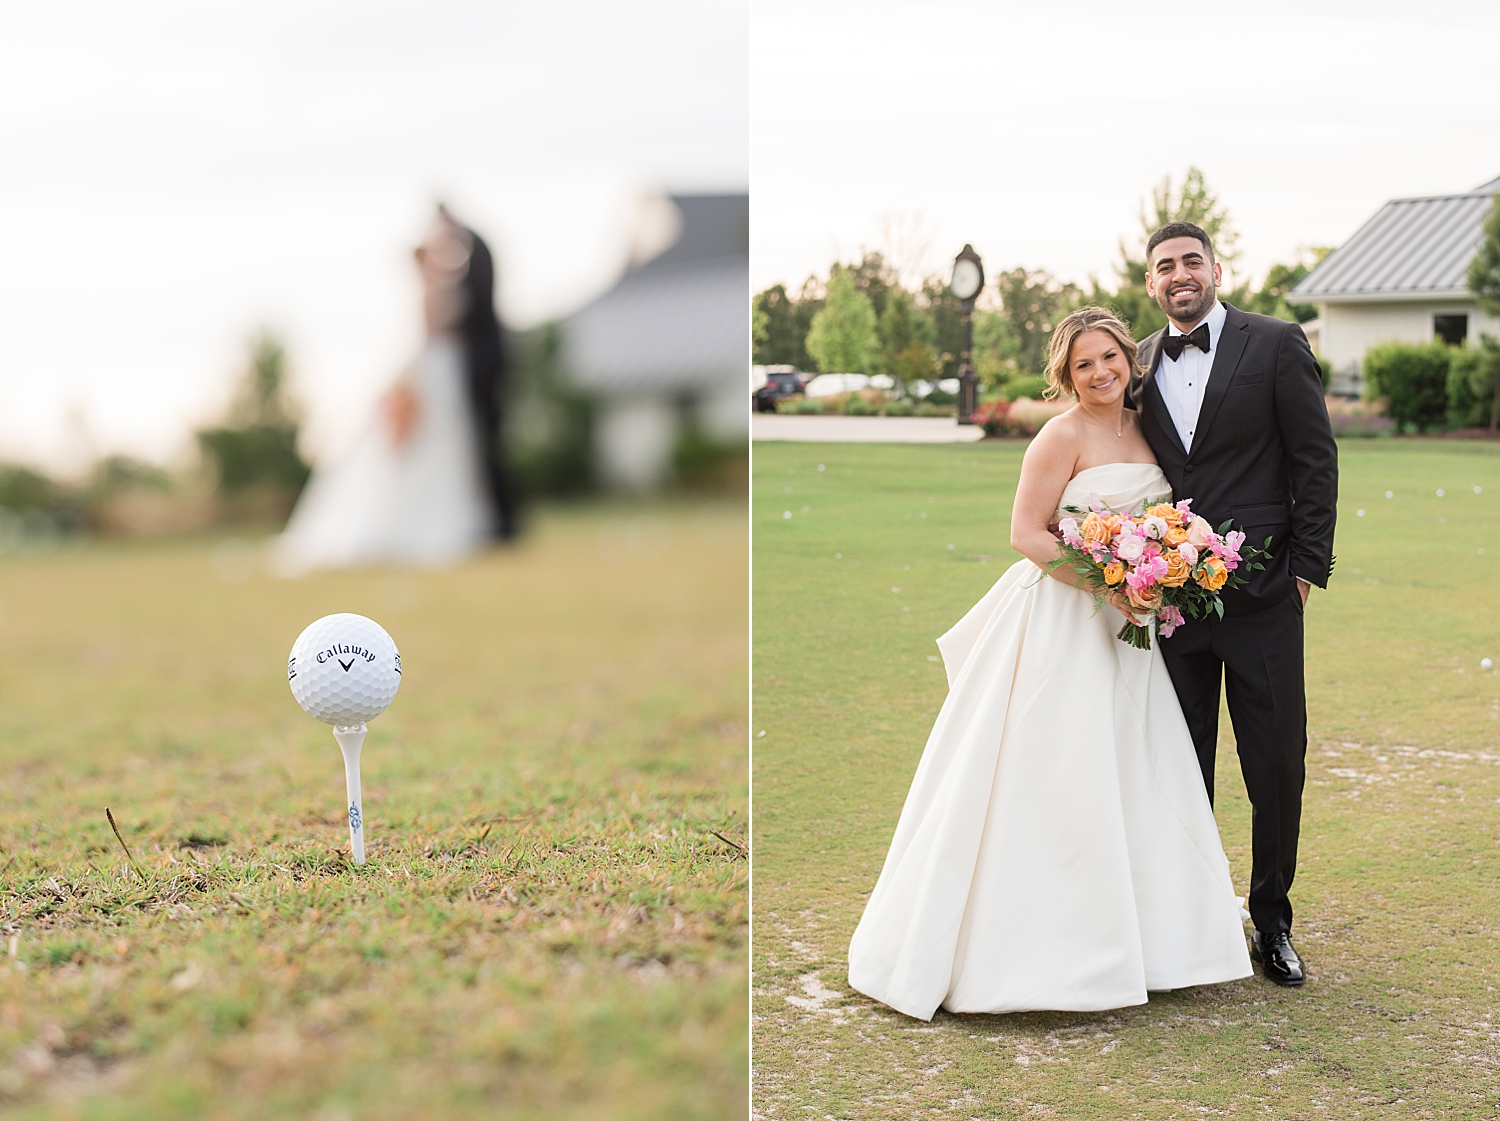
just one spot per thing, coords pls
(1060, 353)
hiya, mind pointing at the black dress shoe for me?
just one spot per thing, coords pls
(1278, 961)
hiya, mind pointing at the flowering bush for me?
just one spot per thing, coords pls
(1164, 561)
(1021, 417)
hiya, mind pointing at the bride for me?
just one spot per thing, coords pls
(1057, 849)
(411, 490)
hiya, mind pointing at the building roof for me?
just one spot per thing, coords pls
(1411, 249)
(680, 321)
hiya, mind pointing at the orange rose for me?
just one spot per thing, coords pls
(1212, 575)
(1167, 513)
(1148, 600)
(1114, 572)
(1114, 522)
(1175, 536)
(1178, 570)
(1094, 529)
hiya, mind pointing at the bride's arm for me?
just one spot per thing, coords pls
(1045, 471)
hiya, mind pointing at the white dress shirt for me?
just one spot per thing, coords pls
(1182, 381)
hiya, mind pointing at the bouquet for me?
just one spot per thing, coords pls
(1166, 561)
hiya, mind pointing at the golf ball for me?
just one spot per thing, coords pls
(1485, 663)
(344, 669)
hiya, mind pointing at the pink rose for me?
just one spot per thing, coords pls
(1200, 533)
(1155, 527)
(1128, 547)
(1187, 553)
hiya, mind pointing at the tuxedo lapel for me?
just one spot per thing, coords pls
(1227, 354)
(1149, 402)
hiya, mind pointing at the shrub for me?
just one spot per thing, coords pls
(1466, 408)
(899, 408)
(1030, 385)
(990, 415)
(931, 408)
(1413, 377)
(1024, 417)
(801, 406)
(24, 489)
(855, 405)
(1357, 418)
(1473, 380)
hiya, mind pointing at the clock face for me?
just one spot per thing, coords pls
(965, 283)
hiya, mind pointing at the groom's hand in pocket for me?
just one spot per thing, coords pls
(1304, 589)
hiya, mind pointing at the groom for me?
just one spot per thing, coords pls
(1232, 405)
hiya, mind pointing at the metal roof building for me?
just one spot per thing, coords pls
(1401, 276)
(1411, 247)
(670, 343)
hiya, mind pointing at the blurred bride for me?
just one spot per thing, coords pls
(413, 488)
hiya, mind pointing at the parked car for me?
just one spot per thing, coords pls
(830, 385)
(781, 382)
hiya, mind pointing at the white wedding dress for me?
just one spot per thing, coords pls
(422, 503)
(1057, 849)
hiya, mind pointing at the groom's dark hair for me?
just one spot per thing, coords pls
(1178, 229)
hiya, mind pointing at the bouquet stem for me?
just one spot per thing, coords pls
(1136, 635)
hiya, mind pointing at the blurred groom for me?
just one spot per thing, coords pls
(1232, 405)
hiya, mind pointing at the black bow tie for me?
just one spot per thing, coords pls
(1173, 344)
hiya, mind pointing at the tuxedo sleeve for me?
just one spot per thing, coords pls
(1312, 456)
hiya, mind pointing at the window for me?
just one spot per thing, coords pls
(1452, 329)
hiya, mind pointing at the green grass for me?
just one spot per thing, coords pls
(547, 926)
(1398, 893)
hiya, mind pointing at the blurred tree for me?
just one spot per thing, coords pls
(21, 488)
(781, 323)
(995, 350)
(906, 340)
(875, 278)
(1033, 301)
(1484, 282)
(1195, 202)
(947, 318)
(1271, 297)
(843, 336)
(257, 447)
(549, 428)
(1484, 269)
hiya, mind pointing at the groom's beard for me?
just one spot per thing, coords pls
(1187, 312)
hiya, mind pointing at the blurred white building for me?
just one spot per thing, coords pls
(669, 344)
(1402, 276)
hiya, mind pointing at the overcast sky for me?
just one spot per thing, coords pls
(1033, 130)
(178, 174)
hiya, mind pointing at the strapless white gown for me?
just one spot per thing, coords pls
(1057, 849)
(422, 503)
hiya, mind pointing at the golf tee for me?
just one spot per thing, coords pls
(351, 739)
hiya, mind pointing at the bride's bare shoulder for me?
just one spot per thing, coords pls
(1054, 451)
(1060, 436)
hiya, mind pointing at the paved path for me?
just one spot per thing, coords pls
(864, 429)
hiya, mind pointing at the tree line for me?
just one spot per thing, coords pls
(863, 320)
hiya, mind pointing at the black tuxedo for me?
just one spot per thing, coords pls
(1263, 456)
